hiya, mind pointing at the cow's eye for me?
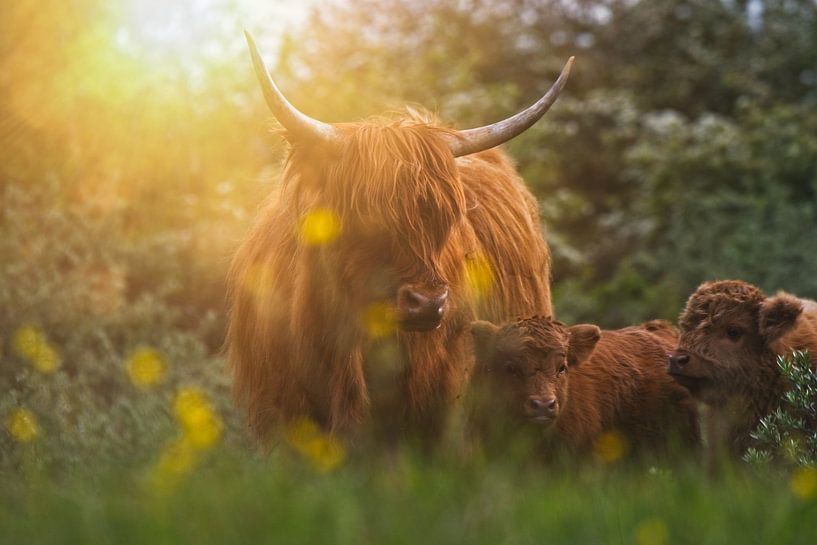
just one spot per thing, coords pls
(563, 369)
(734, 333)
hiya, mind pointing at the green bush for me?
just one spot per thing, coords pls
(789, 434)
(80, 295)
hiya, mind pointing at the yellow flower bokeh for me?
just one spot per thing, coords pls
(22, 425)
(610, 447)
(323, 450)
(47, 359)
(199, 422)
(177, 459)
(27, 340)
(146, 367)
(201, 428)
(30, 343)
(651, 532)
(804, 483)
(319, 226)
(479, 276)
(380, 320)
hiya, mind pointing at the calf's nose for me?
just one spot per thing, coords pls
(538, 406)
(678, 361)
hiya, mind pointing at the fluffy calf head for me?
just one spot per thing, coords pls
(528, 363)
(662, 329)
(729, 330)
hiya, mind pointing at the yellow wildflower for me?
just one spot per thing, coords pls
(199, 422)
(804, 483)
(300, 432)
(651, 532)
(319, 226)
(380, 320)
(30, 343)
(47, 359)
(610, 447)
(27, 341)
(479, 275)
(22, 425)
(176, 460)
(324, 451)
(146, 367)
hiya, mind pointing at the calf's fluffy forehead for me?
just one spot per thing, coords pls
(538, 333)
(717, 302)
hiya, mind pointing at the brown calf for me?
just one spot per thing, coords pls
(731, 335)
(579, 382)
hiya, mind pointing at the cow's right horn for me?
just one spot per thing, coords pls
(489, 136)
(300, 126)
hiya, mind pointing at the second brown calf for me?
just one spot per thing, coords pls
(578, 382)
(731, 336)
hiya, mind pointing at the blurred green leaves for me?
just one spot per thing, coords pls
(683, 148)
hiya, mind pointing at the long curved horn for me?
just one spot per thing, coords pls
(489, 136)
(301, 126)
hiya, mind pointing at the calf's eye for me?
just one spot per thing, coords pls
(734, 333)
(563, 369)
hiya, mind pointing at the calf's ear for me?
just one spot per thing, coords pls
(778, 315)
(583, 339)
(484, 334)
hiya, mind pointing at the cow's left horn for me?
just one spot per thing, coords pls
(302, 127)
(489, 136)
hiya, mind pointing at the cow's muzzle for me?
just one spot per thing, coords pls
(421, 309)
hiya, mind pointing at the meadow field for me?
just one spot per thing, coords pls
(136, 150)
(235, 498)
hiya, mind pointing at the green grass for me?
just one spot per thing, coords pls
(406, 499)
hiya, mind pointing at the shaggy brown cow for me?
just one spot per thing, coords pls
(407, 212)
(580, 381)
(731, 335)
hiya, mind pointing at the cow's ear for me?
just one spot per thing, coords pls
(583, 339)
(778, 315)
(484, 334)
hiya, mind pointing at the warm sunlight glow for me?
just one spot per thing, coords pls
(167, 26)
(192, 33)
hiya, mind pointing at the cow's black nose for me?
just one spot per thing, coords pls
(419, 305)
(420, 309)
(678, 360)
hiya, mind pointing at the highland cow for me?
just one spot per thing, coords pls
(580, 382)
(731, 336)
(422, 229)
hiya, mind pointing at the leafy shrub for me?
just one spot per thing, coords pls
(101, 325)
(789, 434)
